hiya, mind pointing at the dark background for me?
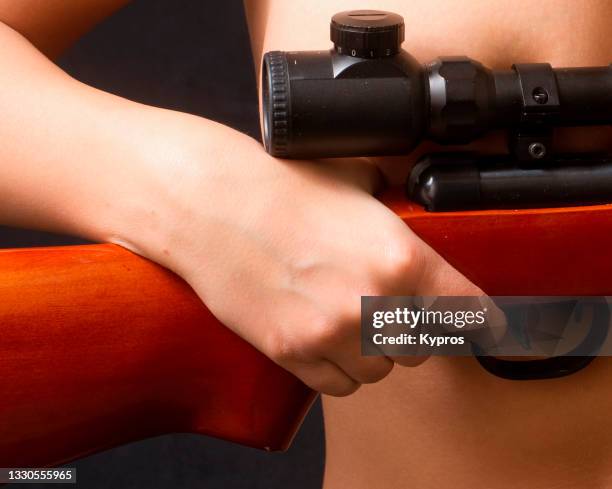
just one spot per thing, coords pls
(192, 56)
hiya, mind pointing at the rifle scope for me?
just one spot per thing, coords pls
(367, 96)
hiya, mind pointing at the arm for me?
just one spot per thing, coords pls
(277, 250)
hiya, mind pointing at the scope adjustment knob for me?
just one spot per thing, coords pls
(367, 33)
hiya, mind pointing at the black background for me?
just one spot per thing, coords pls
(192, 56)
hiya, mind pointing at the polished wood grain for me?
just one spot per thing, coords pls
(561, 251)
(100, 347)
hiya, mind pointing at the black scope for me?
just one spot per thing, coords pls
(368, 97)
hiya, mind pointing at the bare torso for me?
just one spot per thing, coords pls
(447, 423)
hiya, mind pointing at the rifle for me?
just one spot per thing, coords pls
(101, 347)
(368, 97)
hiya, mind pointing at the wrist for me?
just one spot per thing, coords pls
(172, 180)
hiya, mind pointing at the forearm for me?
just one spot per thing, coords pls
(277, 250)
(75, 159)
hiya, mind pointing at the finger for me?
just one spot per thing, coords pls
(339, 342)
(497, 324)
(404, 355)
(439, 278)
(336, 334)
(409, 360)
(325, 377)
(476, 318)
(361, 368)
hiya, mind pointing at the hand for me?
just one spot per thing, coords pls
(282, 251)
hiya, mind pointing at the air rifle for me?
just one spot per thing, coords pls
(100, 347)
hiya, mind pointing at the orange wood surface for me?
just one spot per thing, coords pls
(100, 347)
(562, 251)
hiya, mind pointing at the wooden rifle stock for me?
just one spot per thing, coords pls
(99, 347)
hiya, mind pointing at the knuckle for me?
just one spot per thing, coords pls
(336, 388)
(312, 338)
(402, 256)
(348, 319)
(410, 361)
(323, 333)
(283, 348)
(346, 390)
(326, 378)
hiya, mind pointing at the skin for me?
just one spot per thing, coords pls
(300, 275)
(449, 424)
